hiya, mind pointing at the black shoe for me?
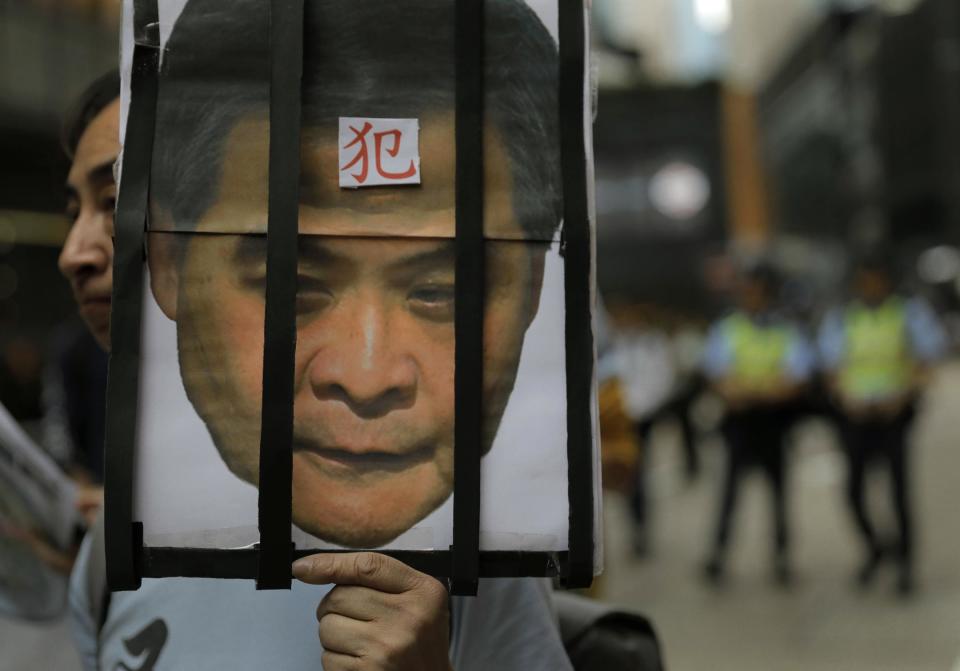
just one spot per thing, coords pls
(713, 571)
(782, 572)
(905, 583)
(640, 541)
(868, 571)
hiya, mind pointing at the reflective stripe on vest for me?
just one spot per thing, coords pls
(758, 352)
(876, 362)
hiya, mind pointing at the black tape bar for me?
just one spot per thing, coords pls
(468, 377)
(280, 333)
(122, 542)
(166, 562)
(578, 256)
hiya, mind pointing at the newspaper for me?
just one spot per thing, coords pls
(36, 498)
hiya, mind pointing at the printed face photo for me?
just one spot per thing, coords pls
(374, 367)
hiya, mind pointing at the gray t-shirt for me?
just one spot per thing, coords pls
(198, 623)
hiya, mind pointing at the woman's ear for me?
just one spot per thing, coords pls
(163, 251)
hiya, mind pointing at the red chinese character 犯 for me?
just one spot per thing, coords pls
(360, 140)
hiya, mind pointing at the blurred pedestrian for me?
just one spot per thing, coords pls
(618, 444)
(687, 337)
(877, 350)
(75, 380)
(644, 356)
(757, 362)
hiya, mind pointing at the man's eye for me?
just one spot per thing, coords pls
(256, 282)
(433, 301)
(312, 294)
(433, 294)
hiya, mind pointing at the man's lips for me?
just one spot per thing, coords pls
(363, 459)
(93, 301)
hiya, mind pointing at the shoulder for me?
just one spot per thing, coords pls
(795, 330)
(87, 594)
(510, 624)
(722, 327)
(916, 307)
(208, 623)
(834, 317)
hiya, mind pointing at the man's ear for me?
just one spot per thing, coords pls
(164, 263)
(538, 255)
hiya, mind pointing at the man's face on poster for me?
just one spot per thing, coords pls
(374, 368)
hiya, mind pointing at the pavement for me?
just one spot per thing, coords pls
(820, 624)
(37, 647)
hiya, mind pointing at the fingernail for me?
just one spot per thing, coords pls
(301, 567)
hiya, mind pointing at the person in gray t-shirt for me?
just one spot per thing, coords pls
(381, 614)
(179, 623)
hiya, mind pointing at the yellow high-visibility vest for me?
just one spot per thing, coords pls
(759, 352)
(876, 361)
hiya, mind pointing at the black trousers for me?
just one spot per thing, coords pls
(638, 493)
(882, 441)
(755, 438)
(678, 408)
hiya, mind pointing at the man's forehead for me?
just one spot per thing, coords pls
(321, 159)
(426, 209)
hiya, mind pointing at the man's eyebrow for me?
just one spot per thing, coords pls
(440, 257)
(250, 250)
(312, 249)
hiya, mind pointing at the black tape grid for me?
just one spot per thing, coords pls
(577, 254)
(165, 562)
(124, 538)
(469, 298)
(275, 552)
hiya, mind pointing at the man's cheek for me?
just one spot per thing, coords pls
(503, 330)
(433, 348)
(238, 316)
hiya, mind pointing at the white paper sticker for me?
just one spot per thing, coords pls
(378, 152)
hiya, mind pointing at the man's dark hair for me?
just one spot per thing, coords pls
(876, 261)
(763, 274)
(366, 58)
(94, 99)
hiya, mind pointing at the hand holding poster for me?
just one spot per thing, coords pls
(36, 511)
(374, 401)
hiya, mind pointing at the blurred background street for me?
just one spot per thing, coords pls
(823, 622)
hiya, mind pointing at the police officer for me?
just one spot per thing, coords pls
(758, 362)
(876, 350)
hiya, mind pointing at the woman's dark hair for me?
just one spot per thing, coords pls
(94, 99)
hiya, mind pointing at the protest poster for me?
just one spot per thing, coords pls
(381, 360)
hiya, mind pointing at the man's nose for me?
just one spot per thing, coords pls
(88, 248)
(358, 361)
